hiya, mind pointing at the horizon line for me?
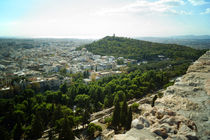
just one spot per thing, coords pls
(92, 37)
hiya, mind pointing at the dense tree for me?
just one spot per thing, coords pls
(17, 131)
(108, 101)
(82, 100)
(116, 114)
(140, 50)
(119, 96)
(51, 106)
(86, 74)
(85, 117)
(124, 113)
(37, 112)
(77, 120)
(63, 88)
(120, 61)
(4, 134)
(65, 132)
(63, 71)
(121, 117)
(28, 93)
(36, 127)
(129, 119)
(92, 128)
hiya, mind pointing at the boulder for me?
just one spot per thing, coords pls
(139, 126)
(107, 135)
(185, 130)
(140, 123)
(160, 115)
(182, 113)
(134, 123)
(167, 128)
(153, 111)
(144, 121)
(192, 137)
(178, 137)
(204, 118)
(171, 113)
(161, 132)
(135, 134)
(146, 114)
(169, 120)
(152, 119)
(142, 134)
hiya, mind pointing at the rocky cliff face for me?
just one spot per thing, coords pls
(182, 113)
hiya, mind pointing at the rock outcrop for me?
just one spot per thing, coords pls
(183, 113)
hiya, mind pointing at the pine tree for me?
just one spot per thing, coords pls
(37, 127)
(66, 130)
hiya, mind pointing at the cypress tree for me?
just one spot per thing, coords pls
(17, 131)
(50, 135)
(116, 115)
(129, 119)
(153, 100)
(124, 113)
(85, 118)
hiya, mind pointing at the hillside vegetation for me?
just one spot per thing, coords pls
(28, 113)
(141, 50)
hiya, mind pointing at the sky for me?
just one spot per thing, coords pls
(99, 18)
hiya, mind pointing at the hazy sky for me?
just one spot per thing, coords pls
(98, 18)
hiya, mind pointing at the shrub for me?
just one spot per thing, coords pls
(153, 100)
(92, 128)
(134, 107)
(160, 94)
(108, 120)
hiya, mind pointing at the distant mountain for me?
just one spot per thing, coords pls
(191, 37)
(198, 42)
(141, 50)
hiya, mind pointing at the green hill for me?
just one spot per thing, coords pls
(141, 50)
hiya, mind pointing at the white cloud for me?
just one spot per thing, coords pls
(185, 13)
(128, 18)
(181, 12)
(171, 2)
(146, 7)
(207, 11)
(198, 2)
